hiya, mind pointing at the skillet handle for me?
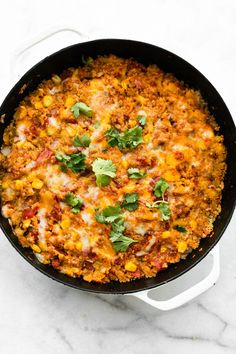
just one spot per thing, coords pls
(188, 294)
(23, 53)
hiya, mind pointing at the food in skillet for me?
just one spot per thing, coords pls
(112, 171)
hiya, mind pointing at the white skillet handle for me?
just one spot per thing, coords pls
(188, 294)
(26, 47)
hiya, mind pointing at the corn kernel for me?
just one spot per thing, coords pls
(124, 163)
(42, 246)
(5, 184)
(171, 176)
(182, 246)
(163, 249)
(193, 224)
(171, 161)
(146, 138)
(42, 134)
(36, 248)
(38, 105)
(64, 134)
(70, 101)
(50, 130)
(47, 101)
(26, 223)
(71, 131)
(141, 99)
(69, 245)
(65, 223)
(18, 184)
(200, 144)
(37, 183)
(165, 234)
(130, 266)
(56, 79)
(211, 193)
(79, 245)
(128, 188)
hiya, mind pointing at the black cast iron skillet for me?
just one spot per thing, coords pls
(169, 62)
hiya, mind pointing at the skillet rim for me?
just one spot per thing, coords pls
(112, 287)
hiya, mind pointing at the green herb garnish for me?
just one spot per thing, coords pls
(104, 171)
(109, 214)
(160, 188)
(180, 228)
(130, 201)
(163, 207)
(81, 107)
(164, 210)
(112, 215)
(142, 120)
(74, 162)
(87, 61)
(128, 139)
(135, 173)
(84, 141)
(73, 201)
(97, 125)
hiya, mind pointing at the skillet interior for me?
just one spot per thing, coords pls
(146, 54)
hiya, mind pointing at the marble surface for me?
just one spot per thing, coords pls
(38, 315)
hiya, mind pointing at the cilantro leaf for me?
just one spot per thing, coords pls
(180, 228)
(128, 139)
(84, 141)
(112, 215)
(113, 135)
(122, 243)
(160, 188)
(74, 162)
(73, 201)
(164, 210)
(97, 125)
(163, 207)
(87, 61)
(142, 120)
(104, 170)
(109, 214)
(81, 107)
(131, 201)
(135, 173)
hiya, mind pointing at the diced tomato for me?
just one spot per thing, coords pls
(56, 263)
(137, 274)
(157, 263)
(179, 155)
(44, 155)
(29, 213)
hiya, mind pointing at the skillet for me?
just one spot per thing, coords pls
(169, 62)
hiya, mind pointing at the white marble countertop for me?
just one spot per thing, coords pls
(38, 315)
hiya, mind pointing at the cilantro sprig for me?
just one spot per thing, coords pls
(84, 141)
(130, 201)
(74, 201)
(128, 139)
(104, 171)
(112, 215)
(159, 191)
(109, 214)
(81, 107)
(160, 187)
(74, 162)
(142, 120)
(180, 228)
(87, 61)
(163, 206)
(135, 173)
